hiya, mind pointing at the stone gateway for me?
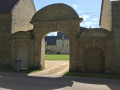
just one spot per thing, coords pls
(91, 49)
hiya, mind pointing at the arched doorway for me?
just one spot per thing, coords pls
(93, 60)
(56, 17)
(21, 49)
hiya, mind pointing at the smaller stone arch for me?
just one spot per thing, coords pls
(93, 60)
(94, 33)
(21, 35)
(21, 48)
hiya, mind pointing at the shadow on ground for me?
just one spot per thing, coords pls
(21, 81)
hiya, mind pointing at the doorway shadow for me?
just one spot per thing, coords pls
(21, 81)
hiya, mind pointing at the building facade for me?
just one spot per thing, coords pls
(57, 44)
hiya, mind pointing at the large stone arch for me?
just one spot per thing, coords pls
(56, 17)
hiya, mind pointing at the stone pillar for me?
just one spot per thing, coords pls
(80, 55)
(116, 35)
(73, 33)
(42, 57)
(73, 52)
(32, 60)
(107, 60)
(39, 51)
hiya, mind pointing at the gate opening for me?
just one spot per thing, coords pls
(56, 53)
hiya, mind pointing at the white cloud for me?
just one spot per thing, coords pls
(80, 11)
(97, 23)
(94, 23)
(85, 17)
(82, 24)
(88, 23)
(52, 34)
(74, 6)
(95, 19)
(93, 27)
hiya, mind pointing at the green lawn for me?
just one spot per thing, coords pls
(21, 71)
(56, 57)
(93, 75)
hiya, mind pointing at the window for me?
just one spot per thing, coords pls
(62, 45)
(67, 45)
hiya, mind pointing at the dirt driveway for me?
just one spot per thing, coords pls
(53, 68)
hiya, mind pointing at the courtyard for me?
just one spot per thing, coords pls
(53, 78)
(22, 81)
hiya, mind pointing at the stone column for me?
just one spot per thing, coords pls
(116, 35)
(73, 52)
(39, 51)
(108, 59)
(32, 49)
(80, 55)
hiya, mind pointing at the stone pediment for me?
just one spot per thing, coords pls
(55, 12)
(94, 33)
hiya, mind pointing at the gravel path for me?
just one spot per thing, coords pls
(53, 68)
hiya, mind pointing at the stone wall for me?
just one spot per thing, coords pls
(116, 35)
(5, 32)
(22, 13)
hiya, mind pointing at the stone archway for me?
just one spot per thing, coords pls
(56, 17)
(93, 60)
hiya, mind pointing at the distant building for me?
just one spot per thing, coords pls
(57, 44)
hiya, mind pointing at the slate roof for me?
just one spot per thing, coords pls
(51, 40)
(60, 35)
(7, 5)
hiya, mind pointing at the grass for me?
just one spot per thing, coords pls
(93, 75)
(29, 70)
(6, 70)
(21, 71)
(56, 57)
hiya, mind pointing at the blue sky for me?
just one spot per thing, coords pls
(89, 10)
